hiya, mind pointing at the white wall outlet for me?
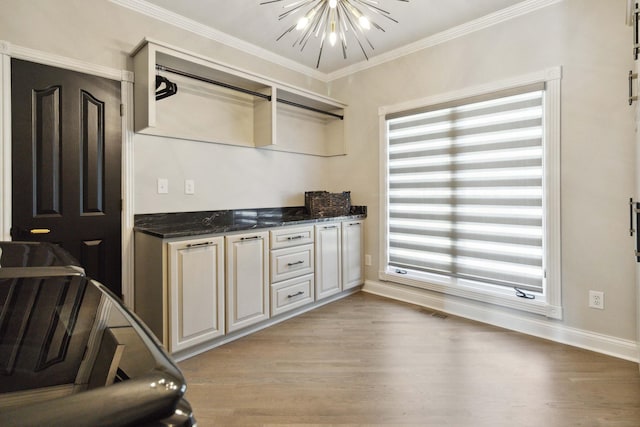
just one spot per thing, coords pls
(367, 259)
(596, 299)
(163, 186)
(189, 186)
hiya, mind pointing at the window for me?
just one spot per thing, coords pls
(470, 204)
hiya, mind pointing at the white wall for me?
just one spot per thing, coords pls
(226, 177)
(589, 39)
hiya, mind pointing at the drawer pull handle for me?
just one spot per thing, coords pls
(251, 238)
(194, 245)
(294, 237)
(296, 294)
(327, 227)
(295, 263)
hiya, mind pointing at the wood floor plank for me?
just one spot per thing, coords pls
(370, 361)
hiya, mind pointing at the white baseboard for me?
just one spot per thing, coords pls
(539, 327)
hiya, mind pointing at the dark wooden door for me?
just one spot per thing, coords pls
(66, 162)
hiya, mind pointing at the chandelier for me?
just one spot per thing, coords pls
(332, 21)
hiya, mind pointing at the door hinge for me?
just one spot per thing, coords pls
(121, 110)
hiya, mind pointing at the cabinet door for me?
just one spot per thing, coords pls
(352, 254)
(328, 260)
(247, 279)
(196, 292)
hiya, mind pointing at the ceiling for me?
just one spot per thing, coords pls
(258, 25)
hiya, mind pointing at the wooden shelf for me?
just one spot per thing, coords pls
(207, 112)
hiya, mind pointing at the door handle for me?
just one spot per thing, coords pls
(632, 97)
(39, 231)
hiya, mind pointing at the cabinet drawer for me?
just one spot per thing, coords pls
(291, 294)
(291, 262)
(291, 236)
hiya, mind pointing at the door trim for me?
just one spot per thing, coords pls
(8, 51)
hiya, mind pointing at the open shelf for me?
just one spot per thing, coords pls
(221, 104)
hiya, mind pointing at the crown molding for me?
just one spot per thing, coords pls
(486, 21)
(210, 33)
(171, 18)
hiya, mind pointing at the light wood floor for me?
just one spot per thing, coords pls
(366, 360)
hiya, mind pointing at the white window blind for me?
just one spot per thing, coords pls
(465, 189)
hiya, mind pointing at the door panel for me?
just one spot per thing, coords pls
(66, 165)
(47, 149)
(92, 124)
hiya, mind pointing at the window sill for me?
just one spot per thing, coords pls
(465, 288)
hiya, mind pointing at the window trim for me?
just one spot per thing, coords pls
(548, 303)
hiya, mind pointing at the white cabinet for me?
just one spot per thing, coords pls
(328, 259)
(196, 292)
(352, 254)
(247, 263)
(339, 254)
(179, 288)
(192, 291)
(292, 266)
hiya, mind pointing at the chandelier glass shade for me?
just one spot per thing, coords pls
(332, 21)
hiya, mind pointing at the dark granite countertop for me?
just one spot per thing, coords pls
(185, 224)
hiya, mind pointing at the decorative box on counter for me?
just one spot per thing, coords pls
(323, 203)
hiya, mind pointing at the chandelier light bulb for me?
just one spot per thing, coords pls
(302, 23)
(333, 4)
(332, 38)
(364, 22)
(332, 35)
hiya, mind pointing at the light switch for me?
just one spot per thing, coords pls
(163, 186)
(189, 186)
